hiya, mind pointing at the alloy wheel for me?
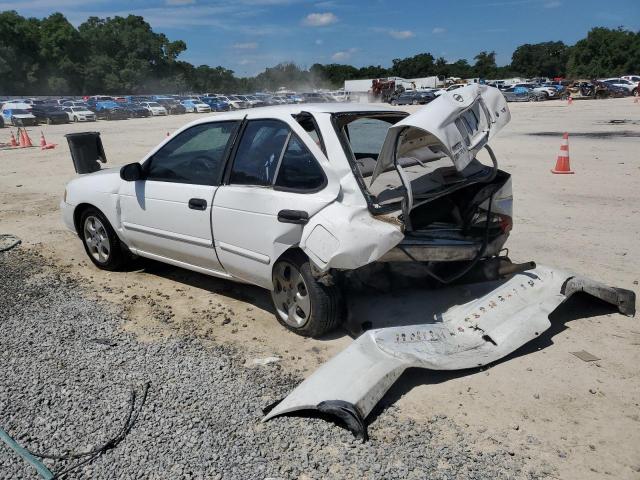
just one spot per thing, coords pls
(290, 295)
(97, 239)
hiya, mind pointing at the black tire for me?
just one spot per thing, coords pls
(325, 301)
(118, 252)
(75, 119)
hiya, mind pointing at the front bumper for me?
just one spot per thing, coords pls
(469, 335)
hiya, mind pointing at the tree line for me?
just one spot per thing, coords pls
(120, 55)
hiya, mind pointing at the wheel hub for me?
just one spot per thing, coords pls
(290, 295)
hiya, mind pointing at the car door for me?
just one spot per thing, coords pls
(278, 179)
(167, 215)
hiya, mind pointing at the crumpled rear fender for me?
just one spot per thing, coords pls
(347, 237)
(469, 335)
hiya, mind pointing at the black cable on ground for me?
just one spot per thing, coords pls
(87, 457)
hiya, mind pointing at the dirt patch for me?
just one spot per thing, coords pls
(597, 135)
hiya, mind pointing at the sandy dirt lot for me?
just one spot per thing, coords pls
(576, 419)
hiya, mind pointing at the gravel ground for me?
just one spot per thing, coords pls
(68, 369)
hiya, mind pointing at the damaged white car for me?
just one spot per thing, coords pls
(291, 197)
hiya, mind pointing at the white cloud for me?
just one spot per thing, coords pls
(553, 4)
(179, 2)
(401, 34)
(319, 41)
(246, 46)
(438, 30)
(343, 55)
(319, 19)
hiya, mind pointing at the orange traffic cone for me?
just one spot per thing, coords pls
(562, 163)
(26, 139)
(13, 140)
(569, 100)
(21, 140)
(43, 143)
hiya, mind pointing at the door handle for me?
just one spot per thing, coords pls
(197, 204)
(297, 217)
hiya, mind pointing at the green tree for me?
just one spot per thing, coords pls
(605, 52)
(19, 54)
(485, 66)
(420, 65)
(547, 59)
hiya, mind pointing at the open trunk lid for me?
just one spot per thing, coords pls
(458, 124)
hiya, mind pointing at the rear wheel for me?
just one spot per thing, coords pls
(302, 304)
(101, 242)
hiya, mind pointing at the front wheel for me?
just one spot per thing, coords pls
(100, 241)
(303, 305)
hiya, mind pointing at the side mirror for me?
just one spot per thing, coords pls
(131, 172)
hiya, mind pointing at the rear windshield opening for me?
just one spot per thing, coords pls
(425, 164)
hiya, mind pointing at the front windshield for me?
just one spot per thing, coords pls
(154, 104)
(19, 111)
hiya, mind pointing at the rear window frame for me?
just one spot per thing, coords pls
(373, 207)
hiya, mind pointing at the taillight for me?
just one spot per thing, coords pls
(506, 223)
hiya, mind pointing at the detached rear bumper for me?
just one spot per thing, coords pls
(465, 336)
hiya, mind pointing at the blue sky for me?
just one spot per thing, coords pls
(249, 35)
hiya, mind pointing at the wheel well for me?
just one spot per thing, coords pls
(77, 213)
(291, 251)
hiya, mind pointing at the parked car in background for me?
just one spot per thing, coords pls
(155, 108)
(249, 101)
(1, 122)
(216, 104)
(586, 89)
(50, 114)
(233, 103)
(79, 114)
(522, 94)
(99, 98)
(238, 102)
(547, 92)
(613, 90)
(412, 97)
(108, 110)
(135, 110)
(18, 117)
(632, 78)
(630, 87)
(195, 106)
(314, 97)
(74, 103)
(455, 86)
(173, 106)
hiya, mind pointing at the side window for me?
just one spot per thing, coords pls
(196, 156)
(259, 152)
(299, 170)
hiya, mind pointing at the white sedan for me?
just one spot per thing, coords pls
(79, 114)
(293, 198)
(154, 108)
